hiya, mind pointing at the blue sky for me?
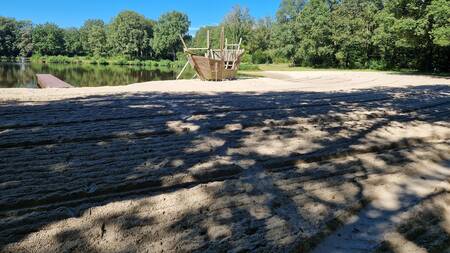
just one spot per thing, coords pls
(68, 13)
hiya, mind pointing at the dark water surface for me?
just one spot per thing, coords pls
(17, 75)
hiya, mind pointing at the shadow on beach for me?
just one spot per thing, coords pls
(234, 172)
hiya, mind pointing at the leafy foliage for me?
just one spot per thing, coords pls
(25, 38)
(93, 37)
(238, 24)
(8, 36)
(170, 26)
(289, 10)
(410, 34)
(285, 37)
(438, 12)
(48, 39)
(353, 27)
(315, 45)
(129, 34)
(259, 43)
(200, 37)
(72, 42)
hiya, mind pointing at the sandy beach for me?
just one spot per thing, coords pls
(271, 81)
(313, 161)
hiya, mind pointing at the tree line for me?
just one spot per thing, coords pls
(379, 34)
(129, 34)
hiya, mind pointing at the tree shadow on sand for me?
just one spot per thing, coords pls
(425, 229)
(222, 172)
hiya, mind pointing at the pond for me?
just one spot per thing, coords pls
(17, 75)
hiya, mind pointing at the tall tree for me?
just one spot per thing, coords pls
(438, 14)
(289, 10)
(93, 35)
(166, 42)
(8, 36)
(415, 32)
(200, 37)
(285, 39)
(385, 39)
(48, 39)
(315, 47)
(238, 24)
(25, 38)
(354, 25)
(72, 42)
(259, 41)
(129, 34)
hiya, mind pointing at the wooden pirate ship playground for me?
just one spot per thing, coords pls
(216, 64)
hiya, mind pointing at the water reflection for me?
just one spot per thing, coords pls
(17, 75)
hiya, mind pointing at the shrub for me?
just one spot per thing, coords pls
(36, 58)
(151, 63)
(377, 65)
(261, 57)
(102, 61)
(58, 59)
(179, 63)
(93, 61)
(246, 58)
(165, 63)
(181, 56)
(119, 60)
(77, 60)
(135, 63)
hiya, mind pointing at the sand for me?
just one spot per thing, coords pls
(295, 161)
(274, 81)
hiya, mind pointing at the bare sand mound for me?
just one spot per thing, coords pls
(142, 168)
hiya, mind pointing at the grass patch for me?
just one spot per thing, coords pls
(288, 67)
(249, 67)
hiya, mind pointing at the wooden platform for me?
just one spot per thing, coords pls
(45, 81)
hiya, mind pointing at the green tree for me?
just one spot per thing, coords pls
(48, 39)
(25, 38)
(93, 36)
(129, 34)
(284, 42)
(353, 28)
(8, 36)
(166, 42)
(259, 41)
(72, 42)
(416, 30)
(438, 13)
(200, 37)
(315, 47)
(384, 39)
(285, 39)
(289, 10)
(238, 24)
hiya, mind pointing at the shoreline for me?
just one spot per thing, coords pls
(272, 81)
